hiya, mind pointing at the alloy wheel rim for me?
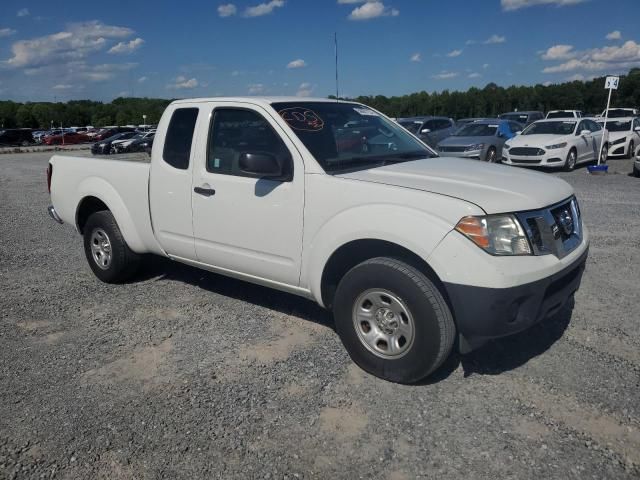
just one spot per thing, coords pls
(101, 248)
(383, 323)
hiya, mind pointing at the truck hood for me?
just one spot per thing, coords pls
(494, 188)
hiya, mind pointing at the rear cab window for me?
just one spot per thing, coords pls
(179, 137)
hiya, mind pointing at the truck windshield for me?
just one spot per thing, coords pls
(349, 136)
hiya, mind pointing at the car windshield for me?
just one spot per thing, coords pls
(477, 130)
(348, 136)
(412, 125)
(617, 113)
(515, 117)
(550, 128)
(617, 126)
(561, 114)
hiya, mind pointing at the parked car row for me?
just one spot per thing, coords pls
(124, 142)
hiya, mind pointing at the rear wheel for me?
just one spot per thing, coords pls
(109, 256)
(570, 162)
(393, 320)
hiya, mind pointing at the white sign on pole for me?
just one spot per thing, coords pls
(612, 83)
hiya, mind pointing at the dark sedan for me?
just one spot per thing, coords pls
(103, 147)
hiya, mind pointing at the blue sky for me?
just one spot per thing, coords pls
(73, 50)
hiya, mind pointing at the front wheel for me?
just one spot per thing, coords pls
(109, 256)
(570, 162)
(492, 156)
(393, 320)
(604, 154)
(632, 147)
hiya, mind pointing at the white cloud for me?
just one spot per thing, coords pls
(263, 8)
(611, 59)
(255, 88)
(62, 86)
(495, 39)
(510, 5)
(454, 53)
(372, 9)
(470, 42)
(416, 57)
(23, 12)
(444, 75)
(485, 65)
(127, 47)
(615, 35)
(227, 10)
(235, 73)
(142, 79)
(351, 1)
(547, 83)
(305, 90)
(75, 43)
(559, 52)
(299, 63)
(577, 76)
(474, 75)
(181, 82)
(7, 32)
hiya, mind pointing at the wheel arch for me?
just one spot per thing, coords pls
(352, 253)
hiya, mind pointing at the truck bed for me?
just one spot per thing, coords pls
(120, 181)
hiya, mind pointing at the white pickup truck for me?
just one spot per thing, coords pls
(333, 201)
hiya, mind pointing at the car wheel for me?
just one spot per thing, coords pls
(491, 156)
(109, 256)
(392, 320)
(636, 172)
(570, 162)
(632, 146)
(604, 154)
(25, 143)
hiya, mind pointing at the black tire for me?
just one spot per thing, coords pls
(492, 155)
(570, 162)
(636, 172)
(604, 154)
(123, 262)
(432, 323)
(632, 147)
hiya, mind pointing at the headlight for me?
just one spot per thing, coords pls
(506, 146)
(620, 140)
(477, 146)
(102, 145)
(496, 234)
(556, 145)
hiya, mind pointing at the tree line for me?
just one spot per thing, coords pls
(588, 96)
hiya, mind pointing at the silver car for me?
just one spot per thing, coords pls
(429, 129)
(480, 140)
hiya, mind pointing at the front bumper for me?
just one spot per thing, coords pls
(555, 158)
(53, 214)
(484, 313)
(618, 150)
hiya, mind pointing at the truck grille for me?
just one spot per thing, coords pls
(452, 149)
(526, 151)
(555, 230)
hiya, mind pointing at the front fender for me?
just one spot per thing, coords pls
(408, 227)
(104, 191)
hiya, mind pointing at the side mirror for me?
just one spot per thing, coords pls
(636, 129)
(585, 132)
(518, 132)
(263, 165)
(425, 130)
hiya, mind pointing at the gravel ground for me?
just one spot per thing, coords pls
(187, 374)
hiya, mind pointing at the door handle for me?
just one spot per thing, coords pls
(207, 192)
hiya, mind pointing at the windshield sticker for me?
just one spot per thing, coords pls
(300, 118)
(365, 111)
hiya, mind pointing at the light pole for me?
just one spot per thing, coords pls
(144, 121)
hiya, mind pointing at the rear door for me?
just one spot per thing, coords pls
(245, 224)
(171, 178)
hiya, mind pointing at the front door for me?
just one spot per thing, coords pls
(242, 223)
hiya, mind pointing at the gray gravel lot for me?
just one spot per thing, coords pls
(187, 374)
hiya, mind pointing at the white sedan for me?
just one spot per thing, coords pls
(624, 136)
(559, 143)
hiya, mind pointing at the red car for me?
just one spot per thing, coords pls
(67, 139)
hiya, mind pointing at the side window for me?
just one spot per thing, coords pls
(177, 143)
(593, 126)
(431, 125)
(443, 123)
(515, 127)
(581, 127)
(237, 131)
